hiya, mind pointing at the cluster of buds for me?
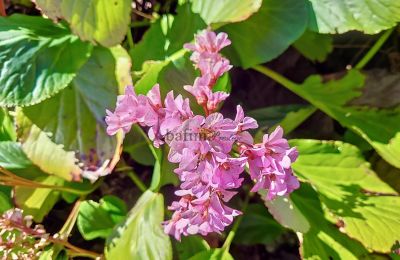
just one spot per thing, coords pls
(18, 238)
(203, 146)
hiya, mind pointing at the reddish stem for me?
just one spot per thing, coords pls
(2, 8)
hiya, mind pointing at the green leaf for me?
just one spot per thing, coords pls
(75, 117)
(380, 127)
(153, 44)
(13, 158)
(351, 192)
(190, 245)
(323, 240)
(166, 36)
(223, 11)
(97, 21)
(37, 59)
(266, 34)
(287, 213)
(257, 227)
(215, 254)
(7, 129)
(314, 46)
(38, 201)
(141, 235)
(48, 156)
(339, 16)
(5, 199)
(98, 219)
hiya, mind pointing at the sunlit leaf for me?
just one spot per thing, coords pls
(37, 59)
(97, 21)
(141, 236)
(339, 16)
(225, 10)
(351, 192)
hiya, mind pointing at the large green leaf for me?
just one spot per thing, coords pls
(267, 33)
(14, 159)
(7, 129)
(190, 245)
(380, 127)
(5, 199)
(98, 219)
(37, 59)
(314, 46)
(257, 226)
(166, 36)
(41, 151)
(75, 117)
(366, 207)
(323, 240)
(97, 21)
(223, 11)
(38, 202)
(141, 235)
(339, 16)
(214, 254)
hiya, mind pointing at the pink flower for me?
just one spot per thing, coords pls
(270, 165)
(208, 42)
(199, 216)
(130, 109)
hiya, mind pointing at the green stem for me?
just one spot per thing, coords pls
(374, 49)
(137, 24)
(71, 220)
(130, 38)
(142, 187)
(277, 77)
(232, 233)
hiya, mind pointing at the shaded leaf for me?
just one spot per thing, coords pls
(190, 246)
(7, 129)
(257, 227)
(267, 33)
(97, 220)
(37, 59)
(214, 254)
(314, 46)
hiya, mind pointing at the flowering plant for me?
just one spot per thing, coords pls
(207, 169)
(147, 129)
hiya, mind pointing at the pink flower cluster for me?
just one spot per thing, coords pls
(212, 66)
(203, 146)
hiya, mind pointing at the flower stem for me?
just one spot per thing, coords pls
(142, 187)
(74, 249)
(277, 77)
(2, 8)
(70, 222)
(374, 49)
(235, 227)
(130, 38)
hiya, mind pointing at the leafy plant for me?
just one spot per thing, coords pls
(82, 155)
